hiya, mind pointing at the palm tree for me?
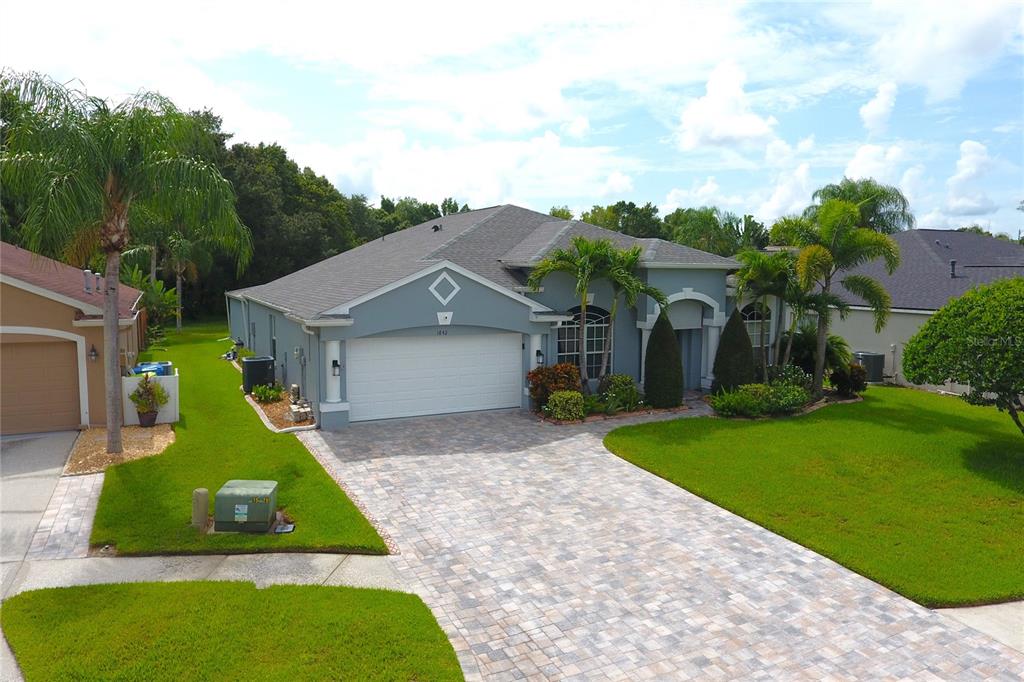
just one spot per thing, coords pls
(621, 273)
(831, 245)
(83, 166)
(763, 275)
(883, 208)
(585, 261)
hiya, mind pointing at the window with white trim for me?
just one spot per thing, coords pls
(597, 337)
(756, 316)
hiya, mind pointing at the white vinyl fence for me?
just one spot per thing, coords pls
(168, 413)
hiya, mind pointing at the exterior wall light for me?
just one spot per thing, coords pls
(540, 358)
(335, 368)
(93, 353)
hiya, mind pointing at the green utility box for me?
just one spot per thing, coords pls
(246, 506)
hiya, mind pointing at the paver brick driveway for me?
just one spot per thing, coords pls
(545, 556)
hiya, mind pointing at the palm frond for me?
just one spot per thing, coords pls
(873, 293)
(814, 262)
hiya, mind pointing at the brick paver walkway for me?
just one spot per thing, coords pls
(63, 532)
(545, 556)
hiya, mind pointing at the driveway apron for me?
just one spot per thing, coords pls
(545, 556)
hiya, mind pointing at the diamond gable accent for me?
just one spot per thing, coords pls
(453, 288)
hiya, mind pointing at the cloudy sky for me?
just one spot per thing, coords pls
(745, 106)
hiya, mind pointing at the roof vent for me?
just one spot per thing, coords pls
(947, 245)
(437, 228)
(938, 243)
(87, 276)
(952, 268)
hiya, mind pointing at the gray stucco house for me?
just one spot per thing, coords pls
(936, 266)
(437, 318)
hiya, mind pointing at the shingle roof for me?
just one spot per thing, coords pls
(491, 242)
(923, 282)
(59, 278)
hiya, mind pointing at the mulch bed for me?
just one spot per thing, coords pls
(277, 413)
(89, 455)
(617, 415)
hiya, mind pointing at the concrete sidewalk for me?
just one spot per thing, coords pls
(351, 570)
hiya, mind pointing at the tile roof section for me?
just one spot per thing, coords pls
(59, 278)
(923, 282)
(490, 242)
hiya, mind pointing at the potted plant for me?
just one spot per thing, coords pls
(149, 396)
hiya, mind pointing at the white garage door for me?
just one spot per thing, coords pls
(410, 376)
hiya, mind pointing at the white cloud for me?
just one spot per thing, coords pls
(964, 198)
(578, 127)
(791, 194)
(778, 152)
(938, 44)
(875, 161)
(708, 193)
(973, 163)
(537, 171)
(912, 183)
(617, 183)
(875, 114)
(722, 117)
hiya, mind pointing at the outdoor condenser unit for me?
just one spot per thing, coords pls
(247, 506)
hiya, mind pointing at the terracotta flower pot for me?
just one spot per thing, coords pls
(147, 418)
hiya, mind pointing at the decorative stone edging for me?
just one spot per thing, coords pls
(270, 425)
(322, 453)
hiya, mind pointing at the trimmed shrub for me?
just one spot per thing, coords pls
(546, 380)
(663, 373)
(759, 400)
(741, 402)
(787, 398)
(267, 393)
(734, 362)
(850, 381)
(790, 375)
(621, 391)
(565, 406)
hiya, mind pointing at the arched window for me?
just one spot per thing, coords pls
(754, 316)
(597, 337)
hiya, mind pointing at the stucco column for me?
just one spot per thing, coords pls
(709, 356)
(535, 343)
(645, 335)
(332, 387)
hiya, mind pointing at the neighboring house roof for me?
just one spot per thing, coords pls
(923, 281)
(496, 243)
(61, 279)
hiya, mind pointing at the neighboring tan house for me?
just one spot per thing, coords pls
(51, 343)
(437, 318)
(935, 266)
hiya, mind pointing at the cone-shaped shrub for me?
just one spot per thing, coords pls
(663, 373)
(734, 363)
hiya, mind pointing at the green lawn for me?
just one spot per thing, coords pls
(225, 631)
(145, 506)
(920, 492)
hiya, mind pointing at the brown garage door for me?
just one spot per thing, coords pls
(38, 387)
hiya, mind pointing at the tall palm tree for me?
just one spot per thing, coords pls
(763, 275)
(621, 274)
(83, 166)
(585, 261)
(883, 208)
(834, 243)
